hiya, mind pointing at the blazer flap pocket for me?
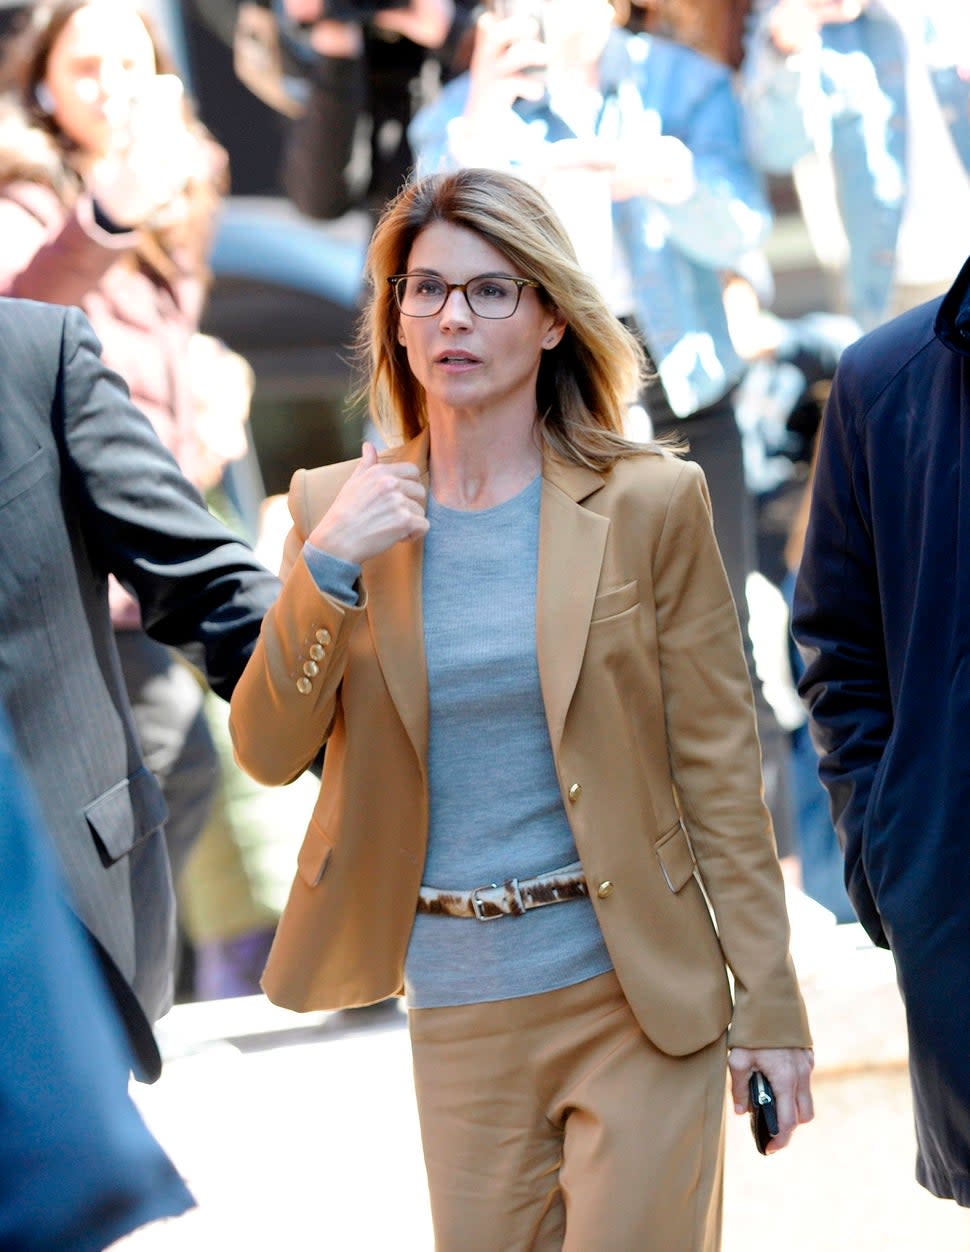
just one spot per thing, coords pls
(314, 855)
(125, 814)
(618, 600)
(677, 860)
(21, 479)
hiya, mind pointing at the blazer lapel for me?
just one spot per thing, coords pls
(393, 584)
(572, 541)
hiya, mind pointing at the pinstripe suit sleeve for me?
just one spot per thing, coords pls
(200, 587)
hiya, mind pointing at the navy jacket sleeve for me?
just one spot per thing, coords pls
(78, 1167)
(200, 587)
(837, 623)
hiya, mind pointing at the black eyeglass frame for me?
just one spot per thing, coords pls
(395, 279)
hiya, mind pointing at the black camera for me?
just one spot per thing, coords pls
(294, 37)
(358, 10)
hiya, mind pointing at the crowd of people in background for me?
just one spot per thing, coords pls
(657, 129)
(658, 135)
(665, 134)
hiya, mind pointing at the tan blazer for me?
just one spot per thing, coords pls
(651, 722)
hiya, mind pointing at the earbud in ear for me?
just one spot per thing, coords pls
(45, 98)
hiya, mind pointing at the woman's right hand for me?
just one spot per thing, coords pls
(379, 505)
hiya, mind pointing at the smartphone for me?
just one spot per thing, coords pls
(523, 8)
(764, 1114)
(520, 8)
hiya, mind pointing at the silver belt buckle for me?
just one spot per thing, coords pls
(495, 896)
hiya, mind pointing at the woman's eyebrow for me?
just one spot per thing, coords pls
(433, 273)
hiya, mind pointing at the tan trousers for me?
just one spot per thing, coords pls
(551, 1122)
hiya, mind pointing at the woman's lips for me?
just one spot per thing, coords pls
(456, 360)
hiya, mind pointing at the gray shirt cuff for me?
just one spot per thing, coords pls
(333, 576)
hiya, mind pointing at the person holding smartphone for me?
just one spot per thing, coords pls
(515, 636)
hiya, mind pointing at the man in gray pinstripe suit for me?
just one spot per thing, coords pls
(86, 489)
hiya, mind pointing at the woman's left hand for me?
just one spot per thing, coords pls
(789, 1070)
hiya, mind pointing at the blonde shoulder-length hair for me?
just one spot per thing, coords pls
(585, 384)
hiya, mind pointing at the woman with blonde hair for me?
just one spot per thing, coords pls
(514, 633)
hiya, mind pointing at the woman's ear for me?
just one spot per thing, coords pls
(555, 332)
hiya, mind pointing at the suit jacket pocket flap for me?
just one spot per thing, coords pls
(125, 814)
(677, 860)
(314, 854)
(21, 479)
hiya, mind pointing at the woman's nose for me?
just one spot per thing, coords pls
(456, 309)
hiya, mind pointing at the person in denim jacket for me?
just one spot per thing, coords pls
(664, 128)
(637, 142)
(880, 90)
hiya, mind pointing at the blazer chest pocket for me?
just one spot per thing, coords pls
(314, 855)
(616, 601)
(676, 856)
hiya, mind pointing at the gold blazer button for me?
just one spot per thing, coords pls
(574, 792)
(604, 889)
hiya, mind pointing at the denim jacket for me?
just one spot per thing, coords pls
(846, 96)
(675, 254)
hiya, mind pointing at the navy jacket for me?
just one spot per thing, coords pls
(78, 1167)
(882, 616)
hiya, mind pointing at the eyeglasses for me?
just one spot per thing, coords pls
(493, 296)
